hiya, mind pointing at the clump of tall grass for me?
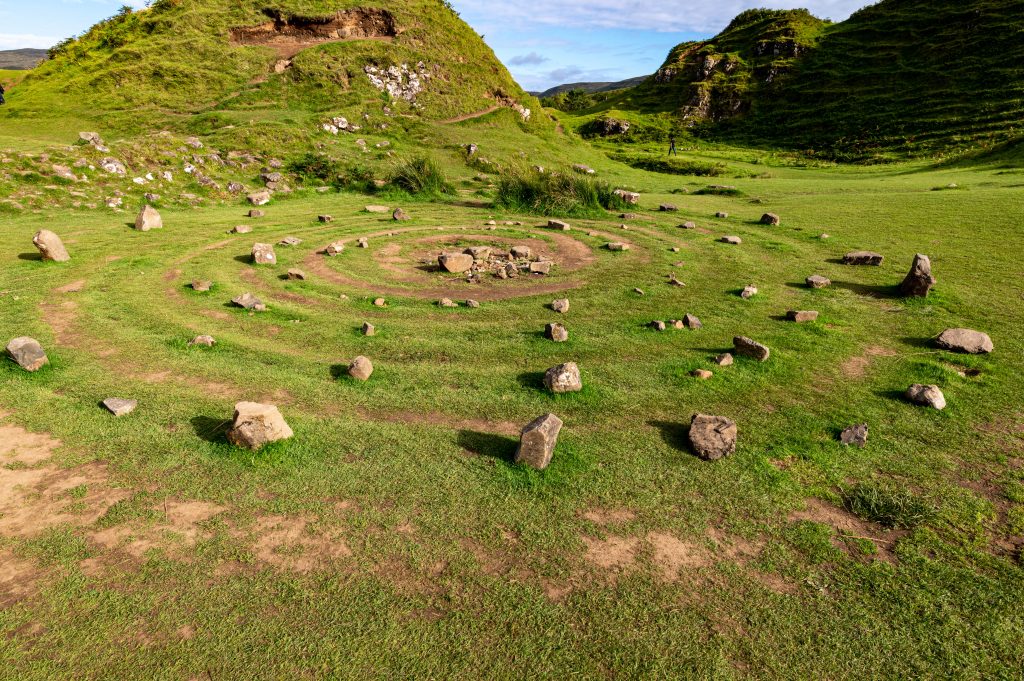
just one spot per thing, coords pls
(886, 505)
(421, 176)
(555, 194)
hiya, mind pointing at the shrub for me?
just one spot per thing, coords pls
(421, 177)
(886, 505)
(673, 166)
(563, 194)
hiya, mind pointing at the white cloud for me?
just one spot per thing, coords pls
(17, 41)
(663, 16)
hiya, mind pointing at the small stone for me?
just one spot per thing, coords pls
(360, 369)
(148, 218)
(927, 396)
(369, 329)
(631, 198)
(702, 374)
(818, 281)
(325, 218)
(296, 274)
(380, 302)
(263, 254)
(334, 250)
(863, 258)
(260, 198)
(556, 332)
(721, 215)
(538, 441)
(241, 229)
(456, 263)
(688, 225)
(400, 215)
(668, 208)
(564, 378)
(919, 281)
(363, 242)
(255, 213)
(377, 209)
(724, 360)
(521, 252)
(658, 326)
(558, 224)
(201, 285)
(249, 302)
(748, 292)
(771, 219)
(966, 341)
(447, 302)
(472, 304)
(205, 341)
(750, 348)
(27, 353)
(824, 236)
(119, 406)
(691, 322)
(561, 305)
(289, 241)
(676, 249)
(673, 281)
(856, 436)
(479, 252)
(50, 246)
(802, 316)
(639, 291)
(733, 240)
(617, 246)
(713, 437)
(540, 267)
(256, 425)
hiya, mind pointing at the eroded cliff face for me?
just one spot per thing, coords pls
(289, 35)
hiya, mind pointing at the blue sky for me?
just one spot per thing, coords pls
(544, 43)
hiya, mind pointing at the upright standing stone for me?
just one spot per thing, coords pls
(257, 424)
(148, 218)
(538, 441)
(713, 437)
(27, 353)
(50, 246)
(919, 281)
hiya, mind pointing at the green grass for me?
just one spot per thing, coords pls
(557, 194)
(455, 550)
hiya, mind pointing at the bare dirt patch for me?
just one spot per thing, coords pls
(19, 578)
(289, 34)
(672, 554)
(857, 367)
(609, 516)
(848, 526)
(73, 287)
(614, 554)
(297, 544)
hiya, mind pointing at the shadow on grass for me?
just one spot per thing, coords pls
(244, 259)
(495, 446)
(897, 395)
(211, 429)
(870, 290)
(675, 435)
(30, 256)
(339, 371)
(532, 379)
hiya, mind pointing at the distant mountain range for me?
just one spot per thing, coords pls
(592, 87)
(21, 60)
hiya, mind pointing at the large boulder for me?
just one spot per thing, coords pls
(966, 341)
(27, 353)
(148, 218)
(919, 281)
(927, 396)
(713, 437)
(538, 440)
(751, 348)
(50, 246)
(863, 258)
(257, 424)
(456, 263)
(564, 378)
(263, 254)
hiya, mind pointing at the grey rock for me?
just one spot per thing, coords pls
(148, 218)
(713, 437)
(296, 274)
(538, 441)
(205, 341)
(733, 240)
(867, 258)
(919, 281)
(556, 332)
(691, 322)
(750, 348)
(249, 302)
(855, 436)
(400, 215)
(564, 378)
(540, 267)
(201, 285)
(561, 306)
(560, 225)
(724, 360)
(456, 263)
(802, 316)
(966, 341)
(256, 425)
(927, 396)
(27, 353)
(50, 246)
(369, 329)
(260, 198)
(263, 254)
(818, 281)
(119, 406)
(771, 219)
(361, 368)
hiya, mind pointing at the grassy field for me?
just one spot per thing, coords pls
(394, 538)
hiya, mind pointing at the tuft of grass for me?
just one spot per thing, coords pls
(422, 177)
(555, 194)
(673, 166)
(888, 506)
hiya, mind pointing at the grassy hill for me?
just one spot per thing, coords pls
(592, 87)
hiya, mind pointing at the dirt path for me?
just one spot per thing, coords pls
(470, 116)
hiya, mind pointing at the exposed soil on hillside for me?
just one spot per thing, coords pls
(289, 35)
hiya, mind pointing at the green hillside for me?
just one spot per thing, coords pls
(182, 57)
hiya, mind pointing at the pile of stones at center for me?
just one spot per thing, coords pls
(477, 261)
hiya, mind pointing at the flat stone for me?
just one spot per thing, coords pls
(749, 348)
(617, 246)
(334, 250)
(260, 198)
(447, 302)
(688, 225)
(855, 436)
(202, 285)
(325, 218)
(668, 208)
(919, 281)
(538, 441)
(521, 252)
(556, 332)
(296, 274)
(148, 218)
(560, 225)
(27, 353)
(205, 341)
(540, 267)
(802, 316)
(966, 341)
(564, 378)
(713, 437)
(479, 252)
(249, 302)
(256, 425)
(289, 241)
(927, 396)
(361, 368)
(263, 254)
(721, 215)
(733, 240)
(863, 258)
(818, 281)
(377, 209)
(50, 246)
(119, 406)
(456, 263)
(256, 213)
(702, 374)
(561, 306)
